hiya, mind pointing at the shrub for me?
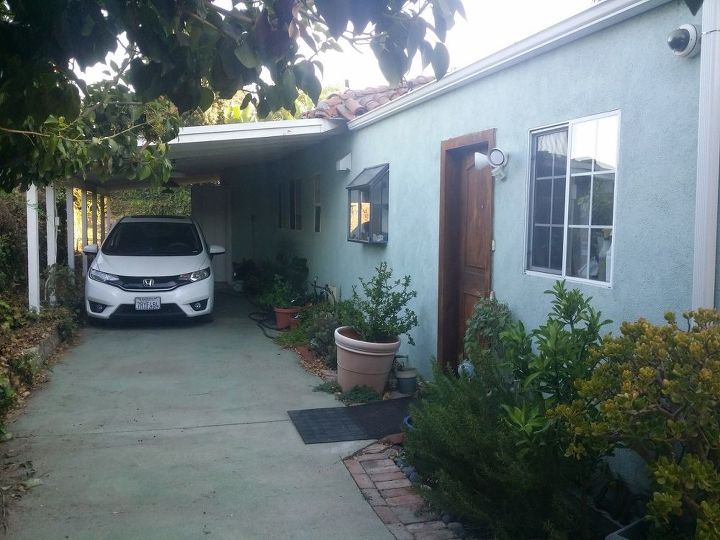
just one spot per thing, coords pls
(486, 445)
(7, 398)
(488, 320)
(469, 459)
(381, 314)
(657, 391)
(319, 324)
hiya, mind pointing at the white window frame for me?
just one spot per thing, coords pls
(529, 202)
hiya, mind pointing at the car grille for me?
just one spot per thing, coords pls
(161, 283)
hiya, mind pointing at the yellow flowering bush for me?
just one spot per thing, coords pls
(656, 390)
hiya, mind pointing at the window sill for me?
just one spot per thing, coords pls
(557, 277)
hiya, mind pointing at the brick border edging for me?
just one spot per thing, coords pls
(391, 496)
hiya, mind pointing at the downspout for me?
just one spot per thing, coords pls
(708, 160)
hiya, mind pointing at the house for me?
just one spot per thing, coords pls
(612, 146)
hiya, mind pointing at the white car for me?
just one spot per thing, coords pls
(151, 266)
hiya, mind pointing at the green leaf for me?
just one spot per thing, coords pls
(440, 60)
(441, 24)
(426, 53)
(336, 14)
(307, 80)
(391, 64)
(694, 5)
(246, 101)
(246, 54)
(207, 97)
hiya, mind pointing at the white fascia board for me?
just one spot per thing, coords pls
(256, 130)
(594, 19)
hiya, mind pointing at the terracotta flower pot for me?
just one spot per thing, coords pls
(283, 315)
(362, 363)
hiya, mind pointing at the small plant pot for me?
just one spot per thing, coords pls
(294, 321)
(406, 380)
(283, 316)
(363, 363)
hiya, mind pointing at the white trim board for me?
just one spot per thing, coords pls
(590, 21)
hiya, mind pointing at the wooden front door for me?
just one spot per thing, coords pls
(465, 240)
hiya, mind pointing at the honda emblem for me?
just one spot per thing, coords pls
(148, 282)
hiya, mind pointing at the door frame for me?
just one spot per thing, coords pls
(451, 152)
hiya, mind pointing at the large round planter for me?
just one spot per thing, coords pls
(362, 363)
(283, 315)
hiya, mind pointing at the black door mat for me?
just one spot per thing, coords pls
(369, 421)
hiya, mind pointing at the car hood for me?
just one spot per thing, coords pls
(150, 266)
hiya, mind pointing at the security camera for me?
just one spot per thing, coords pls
(684, 40)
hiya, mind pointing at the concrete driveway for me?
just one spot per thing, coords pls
(181, 432)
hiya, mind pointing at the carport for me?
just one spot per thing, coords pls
(201, 156)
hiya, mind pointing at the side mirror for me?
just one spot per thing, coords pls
(91, 249)
(216, 250)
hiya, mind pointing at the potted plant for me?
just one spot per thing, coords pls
(406, 376)
(366, 347)
(284, 300)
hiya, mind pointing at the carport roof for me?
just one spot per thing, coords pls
(206, 151)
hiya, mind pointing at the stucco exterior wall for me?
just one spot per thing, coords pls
(627, 67)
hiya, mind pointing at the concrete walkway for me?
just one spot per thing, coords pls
(181, 432)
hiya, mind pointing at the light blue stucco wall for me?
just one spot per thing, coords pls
(626, 67)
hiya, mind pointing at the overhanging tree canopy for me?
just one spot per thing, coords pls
(180, 54)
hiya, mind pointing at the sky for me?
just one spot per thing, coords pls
(490, 26)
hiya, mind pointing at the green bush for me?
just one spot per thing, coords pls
(486, 445)
(319, 324)
(381, 313)
(7, 398)
(470, 461)
(657, 391)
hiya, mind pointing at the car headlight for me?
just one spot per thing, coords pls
(195, 276)
(103, 277)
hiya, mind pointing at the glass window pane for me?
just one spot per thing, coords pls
(577, 253)
(602, 204)
(550, 153)
(579, 211)
(606, 154)
(583, 140)
(558, 201)
(600, 250)
(541, 247)
(364, 214)
(556, 248)
(354, 214)
(543, 190)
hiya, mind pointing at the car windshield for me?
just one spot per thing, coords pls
(155, 238)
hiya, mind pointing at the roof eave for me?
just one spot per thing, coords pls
(594, 19)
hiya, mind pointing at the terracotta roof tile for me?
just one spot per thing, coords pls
(353, 103)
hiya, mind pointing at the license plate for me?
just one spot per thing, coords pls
(147, 303)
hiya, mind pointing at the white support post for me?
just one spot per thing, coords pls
(33, 249)
(94, 210)
(70, 227)
(84, 224)
(51, 225)
(102, 218)
(708, 161)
